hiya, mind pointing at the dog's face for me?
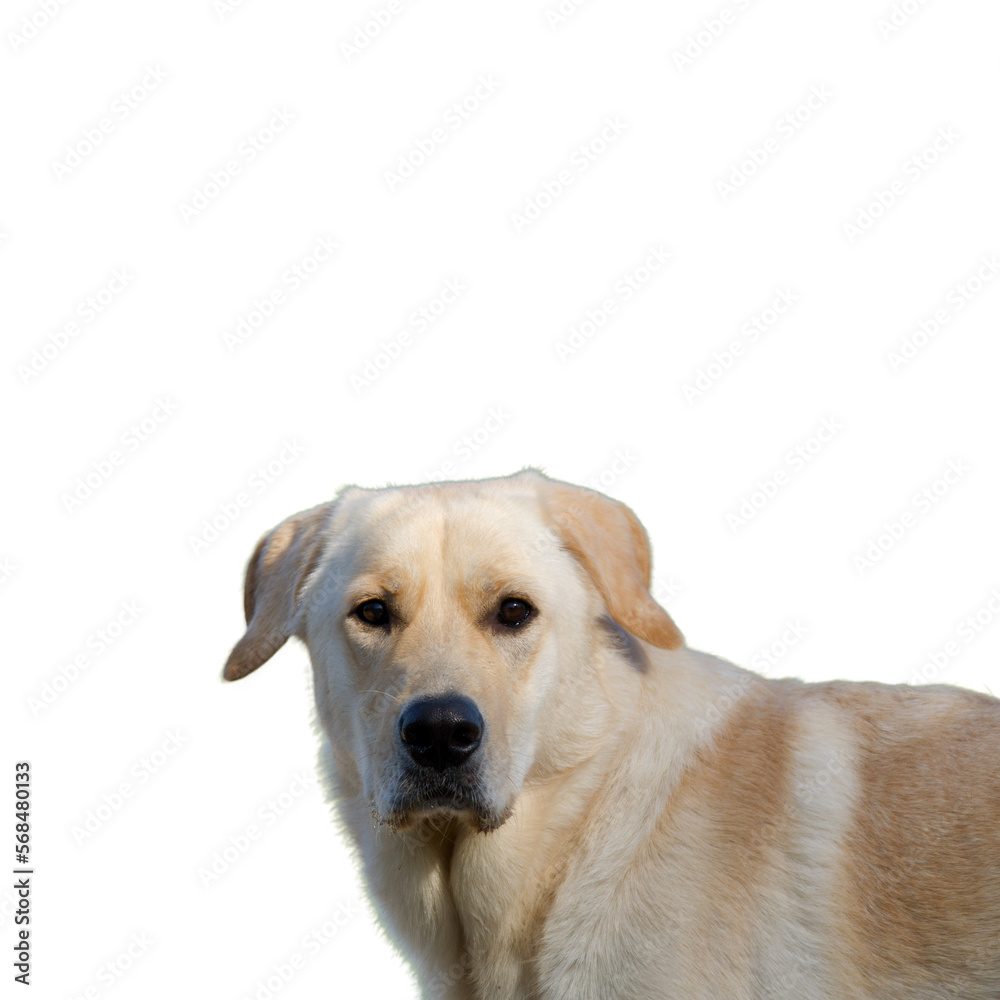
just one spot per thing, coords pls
(440, 620)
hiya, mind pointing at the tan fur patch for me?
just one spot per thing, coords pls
(921, 873)
(729, 813)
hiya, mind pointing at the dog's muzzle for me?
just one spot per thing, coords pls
(442, 765)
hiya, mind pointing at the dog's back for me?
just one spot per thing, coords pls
(819, 840)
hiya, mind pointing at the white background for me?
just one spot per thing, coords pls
(199, 759)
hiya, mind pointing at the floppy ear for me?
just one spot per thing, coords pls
(609, 541)
(283, 559)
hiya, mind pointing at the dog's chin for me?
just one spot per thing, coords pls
(405, 813)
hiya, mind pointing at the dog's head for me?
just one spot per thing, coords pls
(456, 631)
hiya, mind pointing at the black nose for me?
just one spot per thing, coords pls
(441, 732)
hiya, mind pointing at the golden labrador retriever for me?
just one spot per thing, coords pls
(553, 797)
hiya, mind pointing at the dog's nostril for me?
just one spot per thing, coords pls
(465, 734)
(441, 732)
(418, 734)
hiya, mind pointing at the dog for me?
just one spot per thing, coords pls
(553, 797)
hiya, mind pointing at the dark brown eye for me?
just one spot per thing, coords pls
(514, 612)
(373, 612)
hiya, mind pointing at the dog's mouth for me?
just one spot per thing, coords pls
(420, 797)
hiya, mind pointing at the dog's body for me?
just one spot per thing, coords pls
(554, 798)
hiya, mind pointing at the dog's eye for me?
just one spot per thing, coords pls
(373, 612)
(514, 612)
